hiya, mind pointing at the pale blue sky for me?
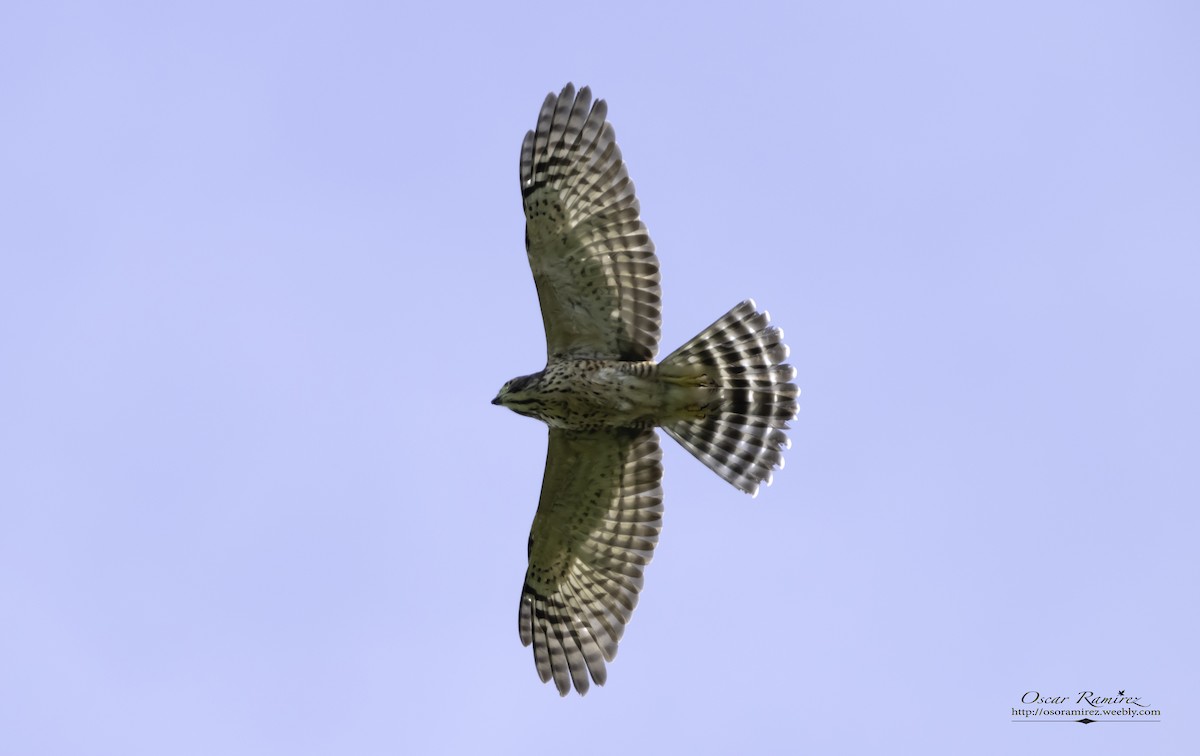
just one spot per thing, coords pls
(261, 271)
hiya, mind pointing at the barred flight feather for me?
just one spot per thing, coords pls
(595, 530)
(592, 259)
(742, 441)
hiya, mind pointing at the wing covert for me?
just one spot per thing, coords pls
(595, 530)
(592, 259)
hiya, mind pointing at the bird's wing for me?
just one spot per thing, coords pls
(592, 259)
(595, 530)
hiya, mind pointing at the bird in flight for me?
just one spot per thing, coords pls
(724, 395)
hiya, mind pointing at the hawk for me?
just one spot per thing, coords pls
(725, 395)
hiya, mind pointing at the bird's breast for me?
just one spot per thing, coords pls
(594, 394)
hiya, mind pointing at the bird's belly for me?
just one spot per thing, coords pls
(613, 396)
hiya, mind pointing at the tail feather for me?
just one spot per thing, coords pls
(741, 435)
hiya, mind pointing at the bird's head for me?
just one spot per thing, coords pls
(522, 395)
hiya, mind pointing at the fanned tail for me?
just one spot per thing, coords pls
(741, 435)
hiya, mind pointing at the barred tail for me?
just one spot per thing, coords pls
(742, 437)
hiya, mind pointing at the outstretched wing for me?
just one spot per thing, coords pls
(595, 530)
(592, 259)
